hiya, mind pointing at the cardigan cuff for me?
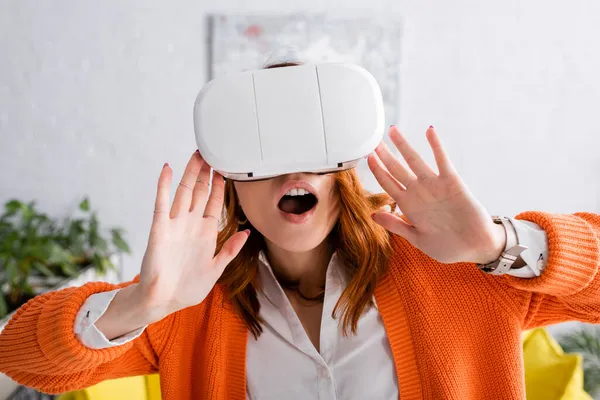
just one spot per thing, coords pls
(55, 334)
(573, 257)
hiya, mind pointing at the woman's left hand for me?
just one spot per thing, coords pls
(445, 220)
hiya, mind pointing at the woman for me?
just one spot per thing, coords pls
(315, 292)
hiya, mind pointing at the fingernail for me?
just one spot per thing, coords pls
(247, 231)
(392, 125)
(166, 165)
(431, 127)
(197, 151)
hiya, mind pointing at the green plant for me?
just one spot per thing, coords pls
(586, 341)
(36, 248)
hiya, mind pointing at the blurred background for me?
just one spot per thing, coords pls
(96, 96)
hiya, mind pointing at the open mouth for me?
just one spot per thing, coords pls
(297, 201)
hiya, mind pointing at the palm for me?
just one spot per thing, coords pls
(180, 267)
(444, 219)
(178, 245)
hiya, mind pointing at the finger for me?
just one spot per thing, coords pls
(404, 175)
(161, 203)
(385, 179)
(442, 160)
(214, 206)
(183, 194)
(201, 188)
(230, 249)
(397, 225)
(413, 159)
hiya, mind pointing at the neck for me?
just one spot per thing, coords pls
(307, 268)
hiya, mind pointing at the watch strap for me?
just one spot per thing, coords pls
(511, 252)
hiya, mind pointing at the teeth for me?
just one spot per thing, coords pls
(297, 192)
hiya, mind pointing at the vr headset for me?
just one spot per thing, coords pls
(317, 118)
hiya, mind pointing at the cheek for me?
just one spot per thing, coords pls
(333, 200)
(251, 195)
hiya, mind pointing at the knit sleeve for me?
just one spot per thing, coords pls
(569, 287)
(38, 347)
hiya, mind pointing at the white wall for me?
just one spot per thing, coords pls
(96, 96)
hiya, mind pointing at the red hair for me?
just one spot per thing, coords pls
(362, 246)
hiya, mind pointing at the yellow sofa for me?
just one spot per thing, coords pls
(133, 388)
(550, 374)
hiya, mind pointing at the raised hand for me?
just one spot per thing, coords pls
(445, 220)
(179, 267)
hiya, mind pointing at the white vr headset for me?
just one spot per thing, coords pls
(317, 118)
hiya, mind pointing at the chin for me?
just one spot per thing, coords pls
(297, 240)
(298, 246)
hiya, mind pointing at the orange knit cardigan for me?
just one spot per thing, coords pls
(455, 332)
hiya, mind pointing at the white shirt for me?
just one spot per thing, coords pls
(283, 363)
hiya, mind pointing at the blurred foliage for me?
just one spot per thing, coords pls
(586, 341)
(35, 247)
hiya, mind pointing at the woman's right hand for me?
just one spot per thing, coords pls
(179, 267)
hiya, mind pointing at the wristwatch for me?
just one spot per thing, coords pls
(510, 255)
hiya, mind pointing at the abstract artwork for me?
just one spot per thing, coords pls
(244, 42)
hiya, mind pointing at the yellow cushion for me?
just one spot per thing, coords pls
(550, 374)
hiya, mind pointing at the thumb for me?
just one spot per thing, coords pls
(395, 224)
(231, 249)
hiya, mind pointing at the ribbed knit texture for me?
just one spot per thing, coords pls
(455, 332)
